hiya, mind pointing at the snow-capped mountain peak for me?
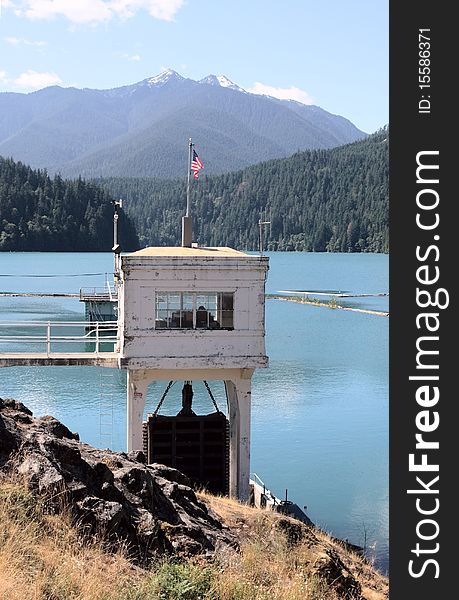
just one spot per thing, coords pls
(222, 81)
(163, 77)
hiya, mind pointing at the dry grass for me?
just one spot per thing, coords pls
(42, 557)
(271, 567)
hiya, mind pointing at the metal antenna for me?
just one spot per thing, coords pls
(260, 225)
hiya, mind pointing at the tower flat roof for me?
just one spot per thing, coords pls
(180, 251)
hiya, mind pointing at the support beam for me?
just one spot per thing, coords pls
(137, 384)
(239, 407)
(233, 413)
(244, 393)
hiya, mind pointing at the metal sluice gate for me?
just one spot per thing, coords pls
(196, 445)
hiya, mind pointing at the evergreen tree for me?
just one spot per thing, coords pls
(323, 200)
(38, 213)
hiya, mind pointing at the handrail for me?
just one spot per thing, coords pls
(268, 493)
(112, 295)
(95, 332)
(56, 323)
(94, 292)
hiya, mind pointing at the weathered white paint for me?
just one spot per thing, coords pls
(238, 392)
(137, 384)
(151, 354)
(144, 275)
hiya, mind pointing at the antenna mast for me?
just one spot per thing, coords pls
(261, 223)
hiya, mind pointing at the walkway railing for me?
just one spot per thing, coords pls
(263, 497)
(94, 294)
(58, 337)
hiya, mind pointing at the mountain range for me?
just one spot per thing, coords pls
(142, 130)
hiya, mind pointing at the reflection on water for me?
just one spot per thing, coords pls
(320, 411)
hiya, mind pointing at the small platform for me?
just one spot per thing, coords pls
(101, 304)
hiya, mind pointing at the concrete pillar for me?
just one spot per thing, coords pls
(244, 394)
(239, 405)
(137, 384)
(233, 416)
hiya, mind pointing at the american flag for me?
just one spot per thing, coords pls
(196, 164)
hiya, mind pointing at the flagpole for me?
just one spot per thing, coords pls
(190, 148)
(187, 230)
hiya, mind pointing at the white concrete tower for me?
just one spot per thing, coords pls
(194, 314)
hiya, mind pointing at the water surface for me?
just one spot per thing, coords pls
(320, 411)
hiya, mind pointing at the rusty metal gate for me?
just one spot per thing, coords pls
(198, 446)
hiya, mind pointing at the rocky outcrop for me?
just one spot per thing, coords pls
(327, 565)
(152, 508)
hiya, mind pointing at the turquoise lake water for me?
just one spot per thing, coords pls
(320, 411)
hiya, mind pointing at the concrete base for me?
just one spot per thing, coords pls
(187, 232)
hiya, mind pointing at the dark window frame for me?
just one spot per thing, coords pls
(194, 310)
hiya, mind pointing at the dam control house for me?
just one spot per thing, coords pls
(193, 314)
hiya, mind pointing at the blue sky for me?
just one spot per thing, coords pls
(333, 53)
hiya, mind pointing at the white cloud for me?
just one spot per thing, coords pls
(5, 4)
(76, 11)
(165, 10)
(97, 11)
(3, 78)
(14, 41)
(133, 57)
(34, 80)
(291, 93)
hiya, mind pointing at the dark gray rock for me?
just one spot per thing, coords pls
(152, 508)
(330, 568)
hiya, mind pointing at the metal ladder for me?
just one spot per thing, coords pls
(106, 416)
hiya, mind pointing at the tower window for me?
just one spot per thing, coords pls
(194, 310)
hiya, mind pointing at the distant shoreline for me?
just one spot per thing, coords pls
(330, 304)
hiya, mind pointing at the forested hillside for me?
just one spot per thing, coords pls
(44, 214)
(322, 200)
